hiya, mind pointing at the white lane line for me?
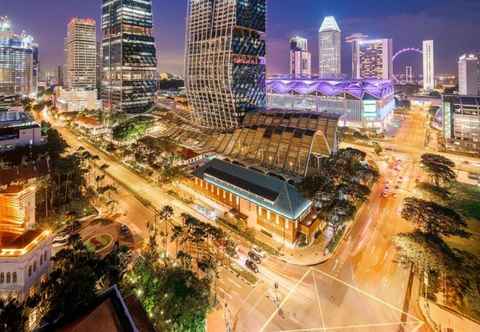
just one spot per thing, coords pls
(318, 300)
(225, 292)
(230, 279)
(359, 326)
(285, 300)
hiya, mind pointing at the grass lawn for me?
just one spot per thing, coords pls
(465, 199)
(99, 242)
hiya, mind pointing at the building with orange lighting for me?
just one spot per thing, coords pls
(25, 251)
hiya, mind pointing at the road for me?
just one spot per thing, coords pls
(362, 288)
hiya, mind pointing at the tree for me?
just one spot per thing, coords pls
(439, 169)
(425, 251)
(377, 148)
(12, 315)
(75, 278)
(434, 219)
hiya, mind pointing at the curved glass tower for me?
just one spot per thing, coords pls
(225, 60)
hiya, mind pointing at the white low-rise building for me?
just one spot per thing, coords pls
(18, 129)
(76, 100)
(25, 251)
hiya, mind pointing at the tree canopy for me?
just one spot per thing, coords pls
(434, 219)
(439, 169)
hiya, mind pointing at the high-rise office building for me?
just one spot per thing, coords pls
(373, 58)
(81, 54)
(35, 67)
(428, 65)
(16, 61)
(225, 60)
(60, 76)
(129, 56)
(300, 58)
(469, 75)
(330, 48)
(354, 40)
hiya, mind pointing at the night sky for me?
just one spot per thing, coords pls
(453, 24)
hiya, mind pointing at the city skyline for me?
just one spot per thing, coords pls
(421, 21)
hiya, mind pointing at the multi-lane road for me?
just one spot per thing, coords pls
(361, 288)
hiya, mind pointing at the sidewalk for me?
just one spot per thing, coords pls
(442, 319)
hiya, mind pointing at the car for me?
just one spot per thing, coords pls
(254, 257)
(124, 230)
(252, 266)
(259, 251)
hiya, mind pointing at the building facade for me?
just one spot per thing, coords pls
(461, 122)
(469, 75)
(17, 129)
(24, 250)
(265, 203)
(373, 59)
(16, 61)
(129, 56)
(76, 100)
(428, 65)
(300, 58)
(225, 60)
(330, 49)
(363, 104)
(81, 54)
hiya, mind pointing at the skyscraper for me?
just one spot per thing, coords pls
(300, 58)
(428, 65)
(16, 61)
(330, 48)
(81, 54)
(225, 60)
(469, 75)
(373, 58)
(129, 55)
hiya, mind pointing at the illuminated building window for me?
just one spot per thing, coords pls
(14, 277)
(8, 277)
(2, 278)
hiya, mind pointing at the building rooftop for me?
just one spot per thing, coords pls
(358, 89)
(24, 172)
(280, 140)
(329, 24)
(266, 191)
(111, 312)
(464, 101)
(15, 118)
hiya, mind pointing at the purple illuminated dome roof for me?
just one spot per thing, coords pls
(377, 89)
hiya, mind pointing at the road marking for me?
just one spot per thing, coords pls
(234, 282)
(391, 306)
(224, 292)
(355, 327)
(318, 301)
(285, 300)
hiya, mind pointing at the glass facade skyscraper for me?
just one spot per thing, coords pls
(17, 61)
(129, 56)
(330, 48)
(225, 60)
